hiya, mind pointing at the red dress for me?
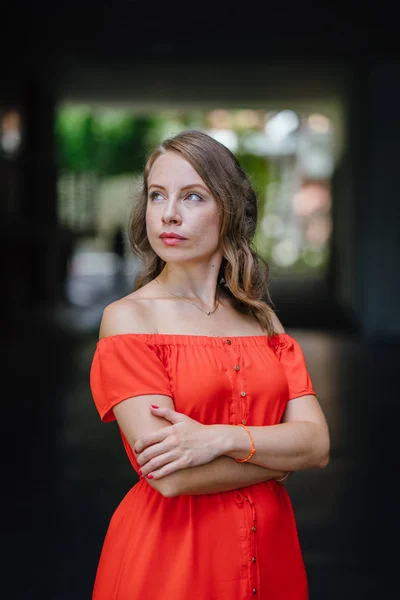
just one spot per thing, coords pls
(232, 545)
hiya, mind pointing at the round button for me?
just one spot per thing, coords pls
(253, 559)
(228, 342)
(254, 591)
(243, 394)
(236, 367)
(243, 421)
(254, 529)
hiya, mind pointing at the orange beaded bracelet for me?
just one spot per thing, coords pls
(252, 451)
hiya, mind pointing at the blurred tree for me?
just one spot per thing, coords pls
(75, 140)
(111, 143)
(257, 168)
(122, 144)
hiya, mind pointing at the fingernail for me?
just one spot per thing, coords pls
(150, 476)
(154, 406)
(140, 473)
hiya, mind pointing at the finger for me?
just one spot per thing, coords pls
(155, 450)
(168, 469)
(167, 413)
(158, 462)
(152, 438)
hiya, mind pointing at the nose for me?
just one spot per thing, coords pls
(171, 213)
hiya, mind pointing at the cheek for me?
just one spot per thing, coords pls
(150, 221)
(207, 228)
(152, 236)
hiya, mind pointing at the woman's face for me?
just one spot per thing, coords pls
(182, 216)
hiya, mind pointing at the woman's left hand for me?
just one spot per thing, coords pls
(185, 443)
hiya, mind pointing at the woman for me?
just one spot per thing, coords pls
(212, 398)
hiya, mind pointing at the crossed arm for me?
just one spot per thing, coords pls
(180, 456)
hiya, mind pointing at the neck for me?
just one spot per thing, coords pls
(193, 282)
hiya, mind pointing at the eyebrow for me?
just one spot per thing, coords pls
(186, 187)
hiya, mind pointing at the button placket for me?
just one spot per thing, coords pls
(236, 367)
(253, 545)
(231, 360)
(244, 406)
(242, 389)
(240, 396)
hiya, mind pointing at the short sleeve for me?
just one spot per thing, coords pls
(124, 366)
(291, 357)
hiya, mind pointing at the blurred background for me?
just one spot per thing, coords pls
(308, 100)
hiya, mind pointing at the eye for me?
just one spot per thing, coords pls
(194, 196)
(156, 196)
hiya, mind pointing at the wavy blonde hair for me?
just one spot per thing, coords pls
(243, 274)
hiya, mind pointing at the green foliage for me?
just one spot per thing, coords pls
(257, 169)
(74, 132)
(110, 143)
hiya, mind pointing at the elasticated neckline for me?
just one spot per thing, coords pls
(176, 339)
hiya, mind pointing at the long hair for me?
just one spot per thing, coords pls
(243, 274)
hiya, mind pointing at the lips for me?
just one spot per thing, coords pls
(172, 239)
(173, 236)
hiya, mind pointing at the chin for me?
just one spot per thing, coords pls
(169, 254)
(176, 256)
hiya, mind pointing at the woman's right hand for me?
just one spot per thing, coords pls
(185, 443)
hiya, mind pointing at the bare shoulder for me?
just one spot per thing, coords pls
(129, 314)
(277, 325)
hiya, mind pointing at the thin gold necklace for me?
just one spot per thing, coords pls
(207, 312)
